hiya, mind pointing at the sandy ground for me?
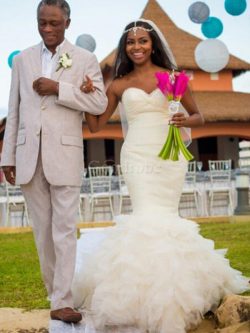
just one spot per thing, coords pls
(17, 320)
(37, 321)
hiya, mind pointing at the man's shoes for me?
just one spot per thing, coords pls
(67, 315)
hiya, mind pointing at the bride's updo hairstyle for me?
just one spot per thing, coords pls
(160, 57)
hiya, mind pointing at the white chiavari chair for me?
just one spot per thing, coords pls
(220, 190)
(100, 189)
(3, 202)
(190, 196)
(83, 196)
(124, 197)
(15, 203)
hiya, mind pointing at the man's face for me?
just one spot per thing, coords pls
(52, 23)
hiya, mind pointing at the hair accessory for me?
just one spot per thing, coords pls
(135, 28)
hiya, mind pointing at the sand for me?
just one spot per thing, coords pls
(37, 321)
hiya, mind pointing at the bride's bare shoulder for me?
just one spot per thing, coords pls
(162, 69)
(118, 85)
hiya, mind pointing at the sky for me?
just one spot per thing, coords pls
(105, 20)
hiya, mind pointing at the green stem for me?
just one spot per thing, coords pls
(166, 149)
(176, 149)
(173, 145)
(186, 153)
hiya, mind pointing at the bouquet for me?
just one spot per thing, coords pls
(173, 86)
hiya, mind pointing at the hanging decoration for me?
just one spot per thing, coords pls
(235, 7)
(11, 56)
(86, 42)
(212, 27)
(198, 12)
(211, 55)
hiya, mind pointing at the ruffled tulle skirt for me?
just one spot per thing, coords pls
(155, 272)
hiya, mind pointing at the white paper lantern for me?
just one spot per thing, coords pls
(198, 12)
(211, 55)
(86, 42)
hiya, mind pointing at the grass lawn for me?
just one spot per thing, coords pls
(20, 280)
(21, 285)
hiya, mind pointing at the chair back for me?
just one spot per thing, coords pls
(3, 192)
(100, 179)
(84, 182)
(220, 173)
(123, 189)
(84, 173)
(14, 193)
(15, 202)
(192, 166)
(219, 165)
(190, 178)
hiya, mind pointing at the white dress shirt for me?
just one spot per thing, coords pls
(50, 61)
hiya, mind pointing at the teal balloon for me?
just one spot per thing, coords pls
(11, 56)
(235, 7)
(212, 27)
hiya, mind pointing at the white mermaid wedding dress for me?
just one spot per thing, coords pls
(152, 270)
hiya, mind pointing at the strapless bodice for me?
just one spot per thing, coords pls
(138, 103)
(147, 116)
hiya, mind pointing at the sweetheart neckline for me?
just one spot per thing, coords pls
(146, 93)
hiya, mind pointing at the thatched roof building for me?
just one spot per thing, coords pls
(182, 43)
(223, 106)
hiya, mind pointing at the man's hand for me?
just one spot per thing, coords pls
(10, 174)
(45, 87)
(87, 86)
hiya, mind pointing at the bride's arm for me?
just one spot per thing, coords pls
(96, 123)
(195, 118)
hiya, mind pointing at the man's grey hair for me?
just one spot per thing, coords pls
(59, 3)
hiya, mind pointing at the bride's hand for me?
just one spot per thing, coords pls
(179, 120)
(87, 86)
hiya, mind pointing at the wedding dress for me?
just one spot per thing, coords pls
(152, 270)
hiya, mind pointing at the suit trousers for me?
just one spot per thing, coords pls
(53, 211)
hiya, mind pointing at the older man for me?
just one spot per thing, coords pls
(43, 146)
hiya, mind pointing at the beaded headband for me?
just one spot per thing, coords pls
(135, 28)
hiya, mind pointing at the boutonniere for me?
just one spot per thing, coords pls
(64, 61)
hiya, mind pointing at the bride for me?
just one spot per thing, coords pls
(152, 270)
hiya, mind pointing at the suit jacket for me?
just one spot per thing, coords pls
(58, 119)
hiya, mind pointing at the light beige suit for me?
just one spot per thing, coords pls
(43, 139)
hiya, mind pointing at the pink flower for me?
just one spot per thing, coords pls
(180, 86)
(173, 86)
(164, 84)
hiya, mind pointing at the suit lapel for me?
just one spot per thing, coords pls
(66, 48)
(35, 60)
